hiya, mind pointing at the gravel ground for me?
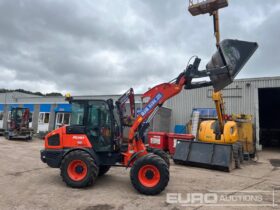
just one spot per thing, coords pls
(27, 183)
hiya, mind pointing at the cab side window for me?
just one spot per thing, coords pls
(99, 124)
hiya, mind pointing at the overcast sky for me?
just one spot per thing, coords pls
(107, 46)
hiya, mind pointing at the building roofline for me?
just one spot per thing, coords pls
(139, 95)
(259, 78)
(41, 97)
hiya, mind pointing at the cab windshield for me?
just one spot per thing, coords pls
(77, 113)
(90, 113)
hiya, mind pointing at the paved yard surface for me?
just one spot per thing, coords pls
(27, 183)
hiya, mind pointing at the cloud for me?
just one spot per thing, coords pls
(105, 47)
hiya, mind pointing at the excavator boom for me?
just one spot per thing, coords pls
(219, 104)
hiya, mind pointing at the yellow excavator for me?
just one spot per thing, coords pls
(221, 143)
(237, 129)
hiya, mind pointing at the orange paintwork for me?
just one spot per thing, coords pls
(68, 140)
(72, 170)
(167, 90)
(135, 146)
(144, 180)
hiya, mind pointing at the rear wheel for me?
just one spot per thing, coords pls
(160, 153)
(149, 174)
(78, 169)
(103, 170)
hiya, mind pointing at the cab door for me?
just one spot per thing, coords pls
(99, 126)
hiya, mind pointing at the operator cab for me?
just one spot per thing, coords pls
(95, 118)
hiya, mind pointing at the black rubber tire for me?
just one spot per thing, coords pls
(92, 169)
(103, 170)
(161, 154)
(159, 163)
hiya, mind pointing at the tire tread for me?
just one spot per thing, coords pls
(92, 166)
(162, 167)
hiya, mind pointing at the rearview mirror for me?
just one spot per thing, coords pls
(228, 60)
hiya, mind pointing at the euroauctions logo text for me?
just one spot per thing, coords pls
(224, 198)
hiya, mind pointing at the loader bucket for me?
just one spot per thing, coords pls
(231, 56)
(204, 155)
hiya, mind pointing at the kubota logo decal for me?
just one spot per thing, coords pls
(78, 137)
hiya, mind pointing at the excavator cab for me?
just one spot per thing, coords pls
(18, 127)
(19, 118)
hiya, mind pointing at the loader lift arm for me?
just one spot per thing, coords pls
(158, 95)
(221, 69)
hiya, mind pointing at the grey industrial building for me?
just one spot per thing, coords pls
(257, 96)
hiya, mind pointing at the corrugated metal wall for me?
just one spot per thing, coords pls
(240, 97)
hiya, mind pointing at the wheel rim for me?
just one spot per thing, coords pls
(149, 175)
(77, 170)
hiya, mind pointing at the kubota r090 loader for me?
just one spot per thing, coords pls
(91, 144)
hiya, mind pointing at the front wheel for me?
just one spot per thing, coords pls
(78, 169)
(149, 174)
(161, 154)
